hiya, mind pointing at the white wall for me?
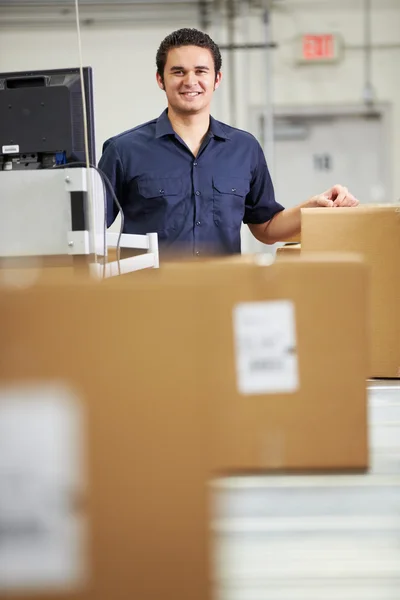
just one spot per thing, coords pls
(332, 84)
(123, 58)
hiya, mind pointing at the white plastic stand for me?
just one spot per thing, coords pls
(147, 242)
(59, 212)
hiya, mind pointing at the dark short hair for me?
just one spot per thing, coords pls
(187, 37)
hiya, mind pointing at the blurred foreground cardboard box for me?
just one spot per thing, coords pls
(375, 233)
(193, 370)
(118, 355)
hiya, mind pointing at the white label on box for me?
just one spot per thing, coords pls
(41, 534)
(265, 339)
(10, 149)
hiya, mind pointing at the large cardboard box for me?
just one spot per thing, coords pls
(290, 400)
(119, 358)
(374, 232)
(222, 367)
(287, 391)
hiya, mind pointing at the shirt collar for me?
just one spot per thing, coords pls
(218, 130)
(164, 127)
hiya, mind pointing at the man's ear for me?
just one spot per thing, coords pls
(217, 80)
(160, 81)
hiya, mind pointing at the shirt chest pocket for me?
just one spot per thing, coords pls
(162, 202)
(229, 195)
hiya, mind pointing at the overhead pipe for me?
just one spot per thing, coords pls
(268, 90)
(244, 19)
(204, 15)
(231, 61)
(217, 29)
(368, 91)
(247, 46)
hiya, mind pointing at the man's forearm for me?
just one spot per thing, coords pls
(282, 226)
(287, 223)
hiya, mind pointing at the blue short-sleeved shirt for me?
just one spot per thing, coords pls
(195, 204)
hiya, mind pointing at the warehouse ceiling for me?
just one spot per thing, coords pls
(45, 13)
(66, 3)
(126, 13)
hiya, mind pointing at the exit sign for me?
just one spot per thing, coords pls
(318, 48)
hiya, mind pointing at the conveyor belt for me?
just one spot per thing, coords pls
(316, 537)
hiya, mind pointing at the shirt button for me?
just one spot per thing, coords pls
(198, 223)
(233, 189)
(198, 193)
(195, 164)
(161, 191)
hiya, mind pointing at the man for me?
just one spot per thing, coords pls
(193, 179)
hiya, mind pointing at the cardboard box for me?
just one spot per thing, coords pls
(288, 249)
(125, 359)
(375, 233)
(299, 428)
(163, 368)
(318, 423)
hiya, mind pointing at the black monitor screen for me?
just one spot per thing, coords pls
(41, 118)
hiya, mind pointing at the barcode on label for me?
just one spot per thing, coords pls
(266, 365)
(29, 530)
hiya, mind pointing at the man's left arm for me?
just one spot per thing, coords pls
(287, 223)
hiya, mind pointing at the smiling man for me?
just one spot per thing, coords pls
(190, 178)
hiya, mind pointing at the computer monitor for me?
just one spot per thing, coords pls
(41, 118)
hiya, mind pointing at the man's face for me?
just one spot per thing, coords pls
(189, 79)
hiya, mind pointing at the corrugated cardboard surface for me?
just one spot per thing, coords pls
(323, 424)
(129, 358)
(292, 249)
(374, 232)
